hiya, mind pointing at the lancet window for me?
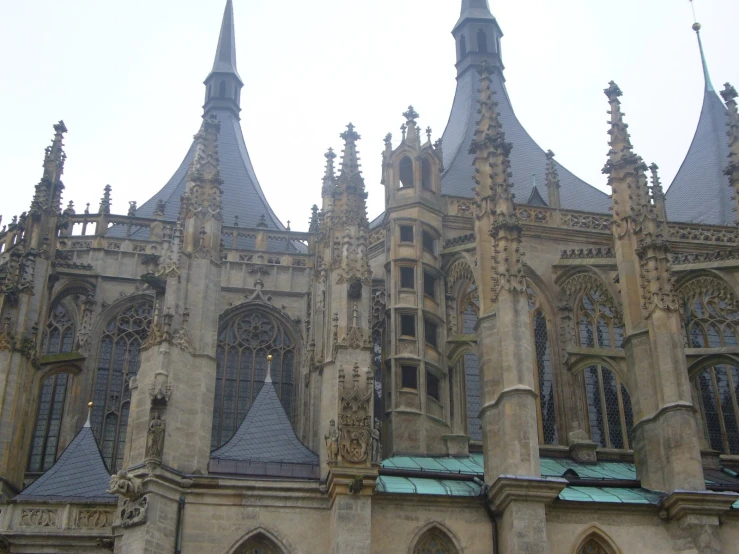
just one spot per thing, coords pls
(592, 546)
(711, 313)
(379, 302)
(118, 360)
(717, 390)
(244, 343)
(609, 408)
(544, 371)
(259, 545)
(60, 330)
(434, 541)
(48, 422)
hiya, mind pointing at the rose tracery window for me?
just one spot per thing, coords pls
(717, 390)
(241, 367)
(118, 361)
(543, 371)
(609, 408)
(711, 313)
(434, 541)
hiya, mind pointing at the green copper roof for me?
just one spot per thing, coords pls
(609, 495)
(436, 487)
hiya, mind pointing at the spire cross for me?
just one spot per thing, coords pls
(411, 114)
(428, 133)
(403, 129)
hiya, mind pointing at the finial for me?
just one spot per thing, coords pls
(613, 91)
(105, 200)
(403, 129)
(411, 114)
(69, 210)
(550, 155)
(288, 224)
(89, 414)
(388, 141)
(131, 208)
(350, 135)
(697, 28)
(262, 224)
(87, 208)
(313, 227)
(729, 93)
(428, 133)
(268, 378)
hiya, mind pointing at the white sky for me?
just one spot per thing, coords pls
(126, 77)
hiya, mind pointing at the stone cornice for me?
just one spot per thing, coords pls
(509, 488)
(679, 503)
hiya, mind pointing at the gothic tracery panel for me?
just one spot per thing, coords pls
(244, 342)
(60, 331)
(597, 316)
(118, 360)
(434, 541)
(48, 422)
(711, 313)
(544, 371)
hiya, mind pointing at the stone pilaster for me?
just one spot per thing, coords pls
(666, 445)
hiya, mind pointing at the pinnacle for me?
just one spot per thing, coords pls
(411, 114)
(729, 93)
(225, 59)
(613, 91)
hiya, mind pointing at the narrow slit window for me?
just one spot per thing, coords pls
(432, 386)
(431, 331)
(406, 233)
(429, 285)
(428, 242)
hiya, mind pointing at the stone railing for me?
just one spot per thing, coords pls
(461, 240)
(588, 254)
(44, 518)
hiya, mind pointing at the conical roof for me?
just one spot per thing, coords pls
(265, 443)
(79, 475)
(700, 192)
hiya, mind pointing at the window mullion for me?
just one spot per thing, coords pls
(603, 408)
(720, 410)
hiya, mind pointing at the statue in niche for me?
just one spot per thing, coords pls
(376, 446)
(332, 442)
(155, 438)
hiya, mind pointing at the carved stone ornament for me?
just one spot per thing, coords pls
(355, 417)
(124, 485)
(332, 442)
(133, 512)
(155, 438)
(160, 388)
(38, 517)
(94, 519)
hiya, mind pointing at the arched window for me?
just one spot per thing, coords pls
(462, 47)
(236, 92)
(482, 41)
(609, 408)
(711, 313)
(222, 89)
(544, 372)
(597, 322)
(425, 174)
(48, 423)
(592, 546)
(244, 343)
(406, 172)
(59, 336)
(118, 361)
(259, 544)
(471, 369)
(717, 396)
(434, 541)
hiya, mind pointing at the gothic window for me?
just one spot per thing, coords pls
(244, 343)
(597, 322)
(407, 278)
(426, 174)
(609, 408)
(429, 285)
(471, 369)
(544, 372)
(409, 377)
(406, 233)
(462, 47)
(59, 336)
(48, 423)
(469, 309)
(592, 546)
(711, 313)
(434, 541)
(259, 545)
(118, 361)
(406, 172)
(718, 393)
(482, 41)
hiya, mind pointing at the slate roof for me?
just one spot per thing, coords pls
(527, 157)
(700, 192)
(265, 437)
(79, 475)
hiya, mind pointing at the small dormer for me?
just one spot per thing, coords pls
(412, 170)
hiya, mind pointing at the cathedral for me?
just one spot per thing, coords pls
(491, 366)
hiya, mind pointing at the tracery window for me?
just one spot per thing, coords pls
(59, 336)
(469, 310)
(471, 368)
(609, 408)
(598, 324)
(118, 361)
(244, 343)
(434, 541)
(592, 547)
(48, 423)
(259, 545)
(717, 395)
(544, 372)
(711, 313)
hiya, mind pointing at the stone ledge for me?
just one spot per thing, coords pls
(343, 481)
(510, 488)
(680, 503)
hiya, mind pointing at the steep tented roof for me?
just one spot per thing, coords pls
(700, 192)
(79, 475)
(264, 441)
(527, 157)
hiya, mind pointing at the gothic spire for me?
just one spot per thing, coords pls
(475, 9)
(48, 192)
(350, 202)
(223, 84)
(706, 76)
(225, 60)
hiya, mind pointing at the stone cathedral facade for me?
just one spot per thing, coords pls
(494, 365)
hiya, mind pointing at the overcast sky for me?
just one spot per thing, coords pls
(126, 77)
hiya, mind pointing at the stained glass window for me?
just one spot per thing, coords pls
(244, 343)
(711, 314)
(59, 336)
(259, 545)
(472, 387)
(48, 423)
(609, 408)
(543, 371)
(118, 361)
(592, 547)
(434, 541)
(718, 393)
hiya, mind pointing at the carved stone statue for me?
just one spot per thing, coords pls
(155, 438)
(332, 442)
(122, 484)
(376, 446)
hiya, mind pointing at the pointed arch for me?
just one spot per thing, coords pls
(405, 172)
(435, 538)
(543, 365)
(710, 312)
(260, 541)
(595, 541)
(247, 335)
(465, 302)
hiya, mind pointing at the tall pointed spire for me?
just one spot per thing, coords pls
(223, 84)
(329, 178)
(350, 204)
(706, 76)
